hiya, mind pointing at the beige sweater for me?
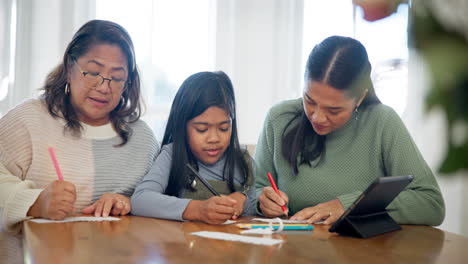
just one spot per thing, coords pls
(91, 162)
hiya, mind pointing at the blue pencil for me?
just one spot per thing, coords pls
(276, 227)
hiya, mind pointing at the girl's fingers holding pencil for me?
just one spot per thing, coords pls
(225, 200)
(239, 207)
(218, 217)
(222, 209)
(216, 210)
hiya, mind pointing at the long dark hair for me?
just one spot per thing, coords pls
(93, 33)
(340, 62)
(196, 94)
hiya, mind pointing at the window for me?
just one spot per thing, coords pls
(173, 39)
(323, 19)
(385, 41)
(7, 50)
(387, 45)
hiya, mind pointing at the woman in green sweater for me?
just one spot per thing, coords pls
(325, 148)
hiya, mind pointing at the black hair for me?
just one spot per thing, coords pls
(196, 94)
(58, 102)
(340, 62)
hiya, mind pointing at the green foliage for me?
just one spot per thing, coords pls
(446, 55)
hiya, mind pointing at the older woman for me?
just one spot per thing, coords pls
(89, 113)
(325, 148)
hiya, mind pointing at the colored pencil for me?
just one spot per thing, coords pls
(200, 178)
(273, 185)
(276, 227)
(56, 165)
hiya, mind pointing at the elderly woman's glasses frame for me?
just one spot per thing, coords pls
(95, 79)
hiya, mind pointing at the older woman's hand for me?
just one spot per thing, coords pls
(109, 203)
(55, 201)
(329, 212)
(271, 202)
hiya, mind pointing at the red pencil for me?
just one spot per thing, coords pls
(273, 184)
(56, 165)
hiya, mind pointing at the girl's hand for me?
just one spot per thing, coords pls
(239, 208)
(271, 202)
(55, 201)
(329, 212)
(109, 203)
(215, 210)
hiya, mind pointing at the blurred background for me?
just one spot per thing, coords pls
(263, 46)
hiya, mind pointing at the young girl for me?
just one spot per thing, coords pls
(202, 132)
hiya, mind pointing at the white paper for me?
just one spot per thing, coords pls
(228, 222)
(258, 231)
(233, 237)
(276, 221)
(75, 219)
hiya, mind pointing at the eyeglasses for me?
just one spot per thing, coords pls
(94, 80)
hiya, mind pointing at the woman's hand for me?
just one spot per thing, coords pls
(55, 201)
(329, 212)
(239, 207)
(215, 210)
(109, 203)
(271, 202)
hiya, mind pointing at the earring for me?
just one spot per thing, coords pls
(67, 89)
(356, 113)
(194, 184)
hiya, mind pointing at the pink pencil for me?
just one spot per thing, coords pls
(56, 165)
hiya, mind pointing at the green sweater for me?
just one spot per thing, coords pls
(376, 144)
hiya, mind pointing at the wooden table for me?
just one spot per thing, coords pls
(145, 240)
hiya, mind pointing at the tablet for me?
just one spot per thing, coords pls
(375, 198)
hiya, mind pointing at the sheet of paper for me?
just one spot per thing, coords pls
(228, 222)
(258, 231)
(233, 237)
(75, 219)
(276, 221)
